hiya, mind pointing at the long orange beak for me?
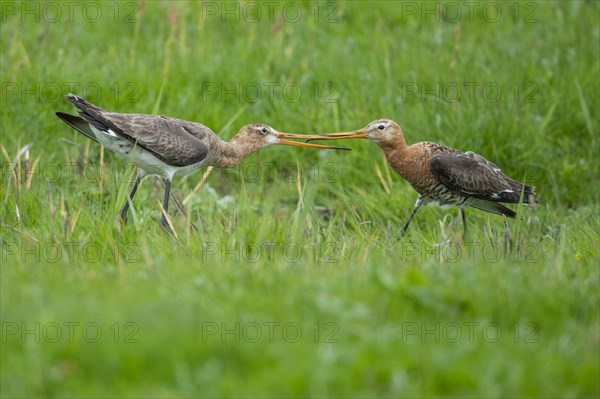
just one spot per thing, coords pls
(280, 136)
(359, 134)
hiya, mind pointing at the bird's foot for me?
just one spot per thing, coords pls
(123, 216)
(164, 224)
(401, 235)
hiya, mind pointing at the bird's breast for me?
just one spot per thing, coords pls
(413, 165)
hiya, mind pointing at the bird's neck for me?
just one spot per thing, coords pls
(232, 153)
(395, 144)
(396, 151)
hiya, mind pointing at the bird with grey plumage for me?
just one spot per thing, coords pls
(442, 175)
(170, 147)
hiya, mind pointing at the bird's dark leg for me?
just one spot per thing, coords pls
(464, 220)
(410, 217)
(138, 179)
(163, 219)
(183, 212)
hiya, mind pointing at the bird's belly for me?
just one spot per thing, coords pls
(184, 170)
(147, 161)
(443, 197)
(435, 193)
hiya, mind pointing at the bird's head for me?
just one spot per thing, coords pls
(384, 132)
(257, 136)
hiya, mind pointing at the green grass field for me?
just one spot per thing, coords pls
(286, 278)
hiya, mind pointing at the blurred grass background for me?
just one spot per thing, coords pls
(519, 87)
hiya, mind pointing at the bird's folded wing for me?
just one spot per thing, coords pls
(472, 175)
(174, 141)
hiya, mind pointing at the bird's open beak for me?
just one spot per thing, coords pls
(359, 134)
(281, 136)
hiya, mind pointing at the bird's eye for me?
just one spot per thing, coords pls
(380, 127)
(264, 130)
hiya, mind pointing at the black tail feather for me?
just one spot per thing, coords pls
(493, 207)
(77, 123)
(514, 196)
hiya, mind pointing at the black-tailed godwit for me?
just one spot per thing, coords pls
(170, 147)
(442, 175)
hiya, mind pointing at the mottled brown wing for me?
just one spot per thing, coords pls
(474, 176)
(174, 141)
